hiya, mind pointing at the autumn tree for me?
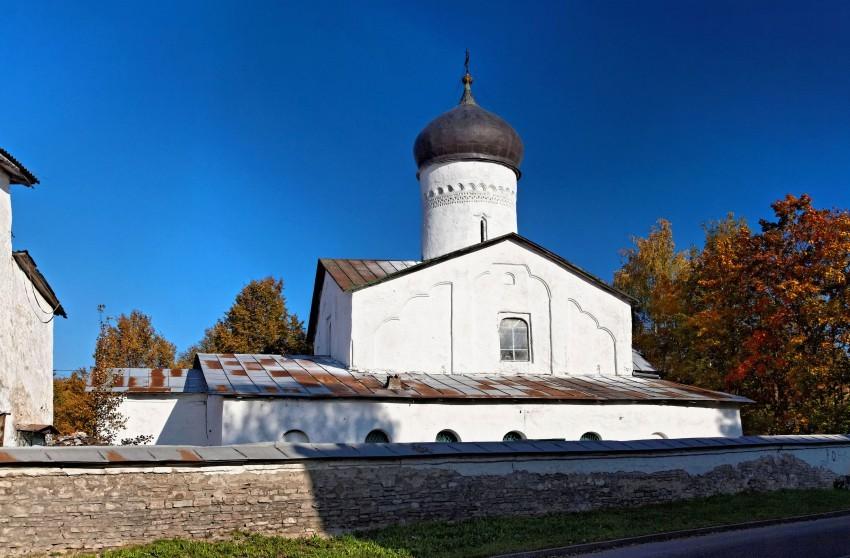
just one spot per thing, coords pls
(130, 341)
(779, 300)
(654, 272)
(127, 341)
(765, 314)
(257, 322)
(71, 405)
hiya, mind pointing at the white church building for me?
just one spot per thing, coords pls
(489, 337)
(28, 307)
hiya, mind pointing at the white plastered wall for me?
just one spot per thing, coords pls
(445, 318)
(333, 328)
(171, 419)
(26, 337)
(340, 421)
(456, 197)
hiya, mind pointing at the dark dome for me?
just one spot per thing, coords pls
(468, 132)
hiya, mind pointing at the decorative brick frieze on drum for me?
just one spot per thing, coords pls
(482, 194)
(208, 492)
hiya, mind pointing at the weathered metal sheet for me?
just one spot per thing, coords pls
(258, 375)
(158, 380)
(351, 274)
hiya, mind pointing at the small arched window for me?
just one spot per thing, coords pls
(377, 437)
(447, 436)
(513, 436)
(661, 435)
(590, 437)
(483, 226)
(513, 339)
(295, 437)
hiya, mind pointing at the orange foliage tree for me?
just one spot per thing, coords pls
(127, 341)
(257, 322)
(765, 314)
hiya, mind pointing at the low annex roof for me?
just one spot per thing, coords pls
(323, 378)
(353, 275)
(27, 265)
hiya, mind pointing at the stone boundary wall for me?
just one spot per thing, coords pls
(54, 500)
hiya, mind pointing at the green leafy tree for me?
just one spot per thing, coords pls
(257, 322)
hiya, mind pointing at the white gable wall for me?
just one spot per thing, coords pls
(26, 338)
(333, 327)
(444, 318)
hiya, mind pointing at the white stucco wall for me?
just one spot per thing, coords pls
(26, 338)
(333, 329)
(445, 318)
(456, 196)
(171, 419)
(339, 421)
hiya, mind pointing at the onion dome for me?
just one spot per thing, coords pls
(468, 133)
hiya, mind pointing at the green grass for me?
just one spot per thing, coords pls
(485, 537)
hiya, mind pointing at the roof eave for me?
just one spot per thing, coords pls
(625, 297)
(18, 173)
(318, 285)
(30, 269)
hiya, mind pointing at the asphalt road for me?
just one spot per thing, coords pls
(823, 538)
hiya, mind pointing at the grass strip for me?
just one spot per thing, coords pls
(486, 537)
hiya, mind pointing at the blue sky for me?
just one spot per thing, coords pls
(185, 148)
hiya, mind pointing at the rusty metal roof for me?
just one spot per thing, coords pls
(351, 274)
(239, 375)
(158, 380)
(322, 377)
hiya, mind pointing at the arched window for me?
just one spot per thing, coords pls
(513, 436)
(483, 226)
(447, 436)
(513, 339)
(295, 437)
(590, 437)
(661, 435)
(377, 437)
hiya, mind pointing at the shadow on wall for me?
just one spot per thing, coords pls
(321, 421)
(186, 423)
(728, 422)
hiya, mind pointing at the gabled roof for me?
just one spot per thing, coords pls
(16, 171)
(352, 274)
(316, 377)
(352, 277)
(27, 265)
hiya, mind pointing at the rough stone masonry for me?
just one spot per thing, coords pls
(60, 506)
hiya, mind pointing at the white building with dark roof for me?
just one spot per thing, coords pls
(27, 308)
(488, 337)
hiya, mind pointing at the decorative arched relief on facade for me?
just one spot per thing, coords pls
(417, 335)
(596, 346)
(548, 318)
